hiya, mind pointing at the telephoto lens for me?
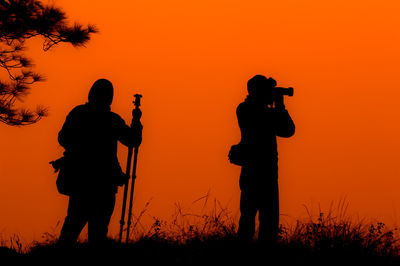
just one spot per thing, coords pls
(284, 91)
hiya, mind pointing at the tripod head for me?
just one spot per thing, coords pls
(137, 100)
(137, 113)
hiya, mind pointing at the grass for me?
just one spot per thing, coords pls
(210, 238)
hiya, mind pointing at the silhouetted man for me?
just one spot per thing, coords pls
(90, 135)
(262, 117)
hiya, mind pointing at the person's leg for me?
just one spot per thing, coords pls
(269, 213)
(100, 218)
(248, 211)
(74, 222)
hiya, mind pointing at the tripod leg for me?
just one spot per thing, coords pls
(128, 169)
(131, 195)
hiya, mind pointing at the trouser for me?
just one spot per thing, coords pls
(96, 211)
(263, 199)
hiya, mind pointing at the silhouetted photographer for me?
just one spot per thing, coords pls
(262, 117)
(89, 171)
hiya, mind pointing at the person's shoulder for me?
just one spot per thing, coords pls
(80, 107)
(242, 107)
(115, 115)
(116, 118)
(78, 110)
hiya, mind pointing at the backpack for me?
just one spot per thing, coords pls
(63, 182)
(237, 154)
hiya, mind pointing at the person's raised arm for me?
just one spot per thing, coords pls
(284, 124)
(131, 137)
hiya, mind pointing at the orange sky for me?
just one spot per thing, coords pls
(191, 61)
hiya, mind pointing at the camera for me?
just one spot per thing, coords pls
(270, 82)
(283, 91)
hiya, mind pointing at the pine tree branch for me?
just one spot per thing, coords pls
(21, 20)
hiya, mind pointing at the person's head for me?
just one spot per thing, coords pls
(101, 93)
(261, 87)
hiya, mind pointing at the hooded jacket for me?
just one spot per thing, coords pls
(90, 137)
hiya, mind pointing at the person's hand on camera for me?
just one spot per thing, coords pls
(279, 103)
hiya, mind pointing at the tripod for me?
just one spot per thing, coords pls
(136, 115)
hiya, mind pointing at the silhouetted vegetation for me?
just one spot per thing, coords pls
(211, 239)
(21, 20)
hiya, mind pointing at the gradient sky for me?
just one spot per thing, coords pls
(191, 61)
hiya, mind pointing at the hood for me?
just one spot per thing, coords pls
(101, 93)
